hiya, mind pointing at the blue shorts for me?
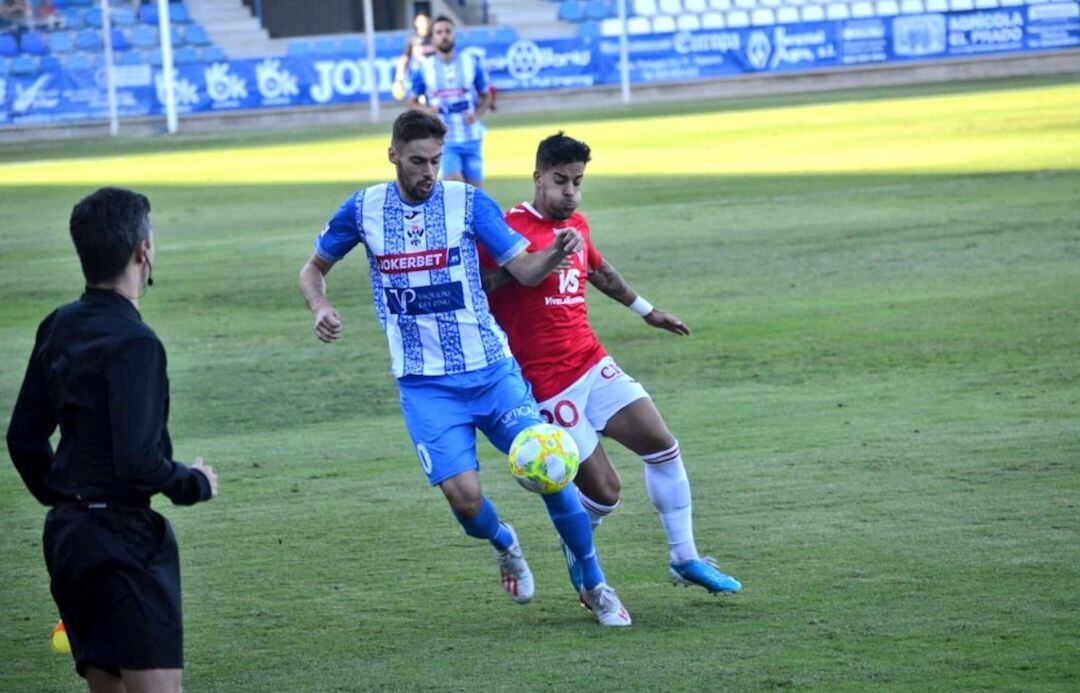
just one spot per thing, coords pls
(464, 158)
(443, 412)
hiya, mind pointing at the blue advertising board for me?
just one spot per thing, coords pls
(69, 95)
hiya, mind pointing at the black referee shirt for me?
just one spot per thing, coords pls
(98, 372)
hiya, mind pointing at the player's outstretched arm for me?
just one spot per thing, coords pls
(531, 268)
(608, 280)
(312, 282)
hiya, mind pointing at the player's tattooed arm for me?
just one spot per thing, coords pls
(493, 278)
(608, 280)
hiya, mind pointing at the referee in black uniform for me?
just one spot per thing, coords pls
(98, 372)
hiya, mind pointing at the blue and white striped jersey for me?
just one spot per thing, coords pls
(452, 87)
(425, 272)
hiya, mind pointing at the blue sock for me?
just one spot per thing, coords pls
(572, 523)
(486, 525)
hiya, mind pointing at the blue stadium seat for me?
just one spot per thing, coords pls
(34, 43)
(120, 40)
(129, 58)
(213, 54)
(571, 11)
(88, 40)
(587, 31)
(8, 46)
(186, 56)
(298, 49)
(144, 37)
(61, 42)
(50, 63)
(152, 57)
(177, 36)
(505, 34)
(122, 16)
(25, 65)
(81, 61)
(73, 18)
(196, 36)
(178, 13)
(148, 14)
(92, 17)
(596, 9)
(352, 45)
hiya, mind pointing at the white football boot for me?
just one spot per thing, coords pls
(514, 572)
(606, 605)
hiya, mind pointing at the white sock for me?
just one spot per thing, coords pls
(669, 491)
(596, 511)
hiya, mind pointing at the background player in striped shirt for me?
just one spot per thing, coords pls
(457, 89)
(454, 369)
(577, 384)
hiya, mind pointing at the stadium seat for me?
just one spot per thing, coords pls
(25, 65)
(610, 27)
(596, 9)
(737, 19)
(645, 8)
(589, 31)
(144, 37)
(80, 61)
(937, 5)
(911, 7)
(813, 13)
(986, 4)
(720, 5)
(324, 47)
(34, 43)
(961, 5)
(636, 26)
(888, 8)
(122, 16)
(571, 11)
(748, 5)
(298, 49)
(672, 7)
(213, 54)
(837, 10)
(119, 40)
(196, 36)
(688, 22)
(663, 24)
(178, 14)
(712, 20)
(862, 10)
(177, 35)
(92, 17)
(130, 58)
(763, 17)
(88, 40)
(61, 42)
(152, 57)
(696, 6)
(186, 56)
(787, 15)
(351, 45)
(148, 13)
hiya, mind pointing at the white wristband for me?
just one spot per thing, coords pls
(641, 306)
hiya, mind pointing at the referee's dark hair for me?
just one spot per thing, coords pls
(560, 149)
(442, 18)
(417, 125)
(106, 226)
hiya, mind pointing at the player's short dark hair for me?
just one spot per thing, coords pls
(417, 125)
(442, 18)
(105, 227)
(560, 149)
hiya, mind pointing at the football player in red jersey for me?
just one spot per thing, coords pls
(578, 385)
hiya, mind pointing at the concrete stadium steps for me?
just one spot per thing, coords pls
(531, 18)
(231, 26)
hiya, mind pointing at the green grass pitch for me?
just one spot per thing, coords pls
(879, 407)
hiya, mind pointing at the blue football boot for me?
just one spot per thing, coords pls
(704, 573)
(577, 579)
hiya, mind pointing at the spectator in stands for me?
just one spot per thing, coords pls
(455, 87)
(15, 15)
(418, 48)
(47, 16)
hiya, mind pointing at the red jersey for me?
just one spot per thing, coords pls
(548, 324)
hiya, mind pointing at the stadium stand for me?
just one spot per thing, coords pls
(78, 45)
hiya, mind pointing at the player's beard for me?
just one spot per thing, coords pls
(446, 48)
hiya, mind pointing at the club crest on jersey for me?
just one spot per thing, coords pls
(415, 234)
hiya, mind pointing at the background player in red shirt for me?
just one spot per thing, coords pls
(576, 383)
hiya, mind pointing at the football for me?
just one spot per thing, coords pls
(544, 458)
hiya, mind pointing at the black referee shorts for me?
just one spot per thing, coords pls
(115, 575)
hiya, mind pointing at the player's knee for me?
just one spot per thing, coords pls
(465, 502)
(608, 493)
